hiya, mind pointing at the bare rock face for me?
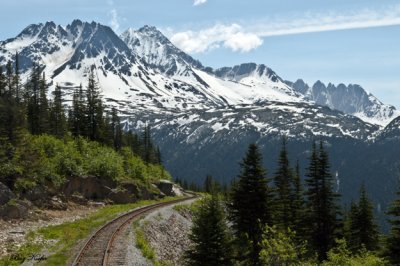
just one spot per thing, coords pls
(5, 194)
(15, 209)
(38, 195)
(166, 187)
(121, 196)
(89, 187)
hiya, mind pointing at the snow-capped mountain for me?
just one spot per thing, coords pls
(351, 99)
(141, 71)
(391, 131)
(159, 52)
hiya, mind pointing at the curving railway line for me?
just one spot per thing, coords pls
(100, 247)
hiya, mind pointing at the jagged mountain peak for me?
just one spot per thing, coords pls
(241, 71)
(351, 99)
(149, 29)
(157, 51)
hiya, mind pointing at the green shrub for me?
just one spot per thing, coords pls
(46, 160)
(279, 247)
(342, 256)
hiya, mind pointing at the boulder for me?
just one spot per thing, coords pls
(56, 203)
(121, 196)
(166, 187)
(15, 209)
(89, 187)
(132, 188)
(37, 195)
(5, 194)
(78, 199)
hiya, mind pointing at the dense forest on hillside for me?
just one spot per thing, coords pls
(284, 221)
(44, 143)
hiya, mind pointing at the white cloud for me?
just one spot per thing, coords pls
(243, 42)
(245, 39)
(199, 2)
(114, 21)
(230, 36)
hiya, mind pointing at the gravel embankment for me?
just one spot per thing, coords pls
(167, 232)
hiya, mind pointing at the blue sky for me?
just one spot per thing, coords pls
(339, 41)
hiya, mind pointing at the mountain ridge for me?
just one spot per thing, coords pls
(144, 65)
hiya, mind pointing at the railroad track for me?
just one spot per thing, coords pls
(98, 249)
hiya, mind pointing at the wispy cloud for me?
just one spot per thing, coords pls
(114, 22)
(249, 37)
(199, 2)
(114, 18)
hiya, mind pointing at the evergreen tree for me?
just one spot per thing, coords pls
(297, 205)
(32, 99)
(350, 227)
(210, 236)
(43, 109)
(133, 141)
(57, 114)
(392, 249)
(250, 204)
(77, 116)
(148, 148)
(159, 156)
(16, 78)
(208, 184)
(9, 79)
(363, 230)
(116, 129)
(185, 184)
(322, 208)
(283, 185)
(2, 82)
(94, 115)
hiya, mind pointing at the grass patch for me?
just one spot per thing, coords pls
(192, 208)
(67, 235)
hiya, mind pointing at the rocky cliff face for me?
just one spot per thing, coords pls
(351, 99)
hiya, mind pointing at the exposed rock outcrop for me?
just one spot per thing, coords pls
(89, 187)
(15, 209)
(5, 194)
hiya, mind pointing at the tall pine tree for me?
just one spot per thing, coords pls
(297, 205)
(57, 114)
(77, 116)
(44, 110)
(17, 79)
(94, 115)
(210, 236)
(250, 205)
(364, 232)
(116, 129)
(283, 180)
(32, 100)
(9, 79)
(323, 211)
(392, 249)
(2, 82)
